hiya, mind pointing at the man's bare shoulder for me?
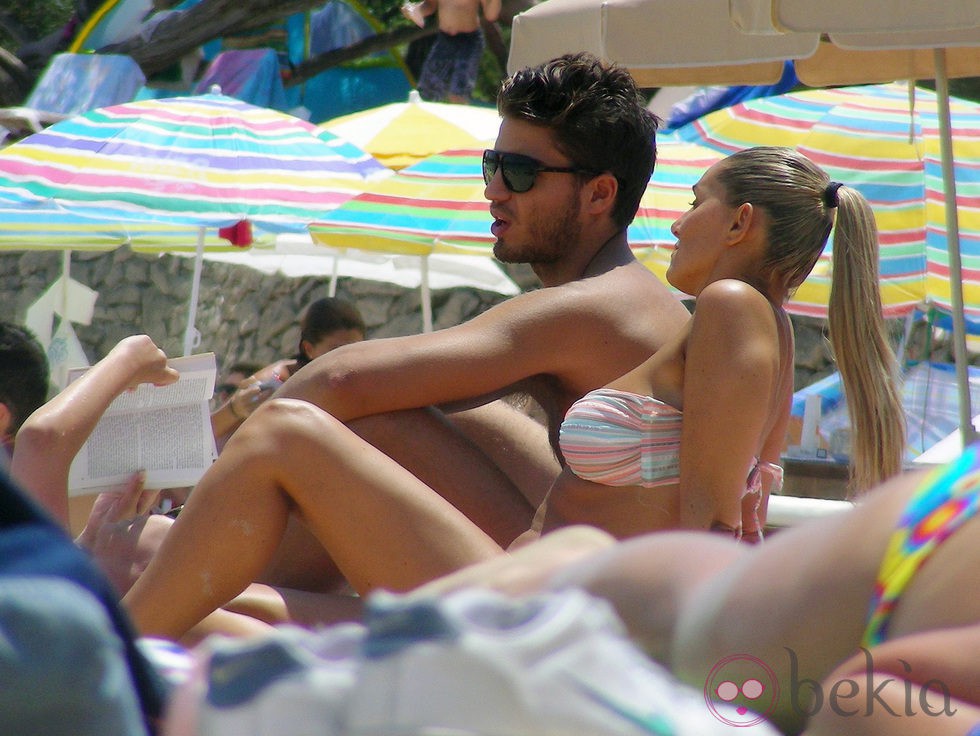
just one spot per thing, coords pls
(627, 309)
(631, 284)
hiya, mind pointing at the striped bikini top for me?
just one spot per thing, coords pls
(618, 438)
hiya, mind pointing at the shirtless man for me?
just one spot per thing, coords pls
(450, 68)
(574, 154)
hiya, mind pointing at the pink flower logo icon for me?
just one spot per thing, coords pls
(741, 690)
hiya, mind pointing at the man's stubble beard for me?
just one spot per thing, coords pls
(549, 239)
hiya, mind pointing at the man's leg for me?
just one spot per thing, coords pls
(487, 462)
(515, 442)
(382, 526)
(493, 463)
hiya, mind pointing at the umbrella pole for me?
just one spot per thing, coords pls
(426, 295)
(191, 334)
(61, 379)
(960, 356)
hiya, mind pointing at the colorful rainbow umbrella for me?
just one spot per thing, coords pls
(205, 161)
(882, 140)
(172, 172)
(434, 206)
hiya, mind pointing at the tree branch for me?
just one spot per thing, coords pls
(385, 40)
(184, 31)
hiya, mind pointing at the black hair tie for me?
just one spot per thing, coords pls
(830, 194)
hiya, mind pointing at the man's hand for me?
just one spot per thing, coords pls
(120, 533)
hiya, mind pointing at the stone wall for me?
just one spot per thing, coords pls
(242, 314)
(246, 315)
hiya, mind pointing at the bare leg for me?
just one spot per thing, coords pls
(516, 442)
(439, 451)
(381, 525)
(283, 605)
(650, 580)
(429, 445)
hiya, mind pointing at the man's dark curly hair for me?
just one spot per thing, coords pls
(598, 117)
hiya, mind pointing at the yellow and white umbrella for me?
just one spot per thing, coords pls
(403, 133)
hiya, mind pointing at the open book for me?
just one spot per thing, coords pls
(164, 430)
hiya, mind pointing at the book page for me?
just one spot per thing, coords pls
(164, 430)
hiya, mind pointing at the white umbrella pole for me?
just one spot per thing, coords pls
(191, 334)
(960, 356)
(426, 295)
(61, 379)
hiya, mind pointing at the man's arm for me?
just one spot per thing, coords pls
(491, 9)
(523, 337)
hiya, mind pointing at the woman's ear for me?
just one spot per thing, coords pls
(306, 347)
(743, 219)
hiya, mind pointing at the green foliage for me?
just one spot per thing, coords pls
(491, 74)
(36, 18)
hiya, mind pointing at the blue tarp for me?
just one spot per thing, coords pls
(73, 84)
(929, 395)
(708, 99)
(250, 75)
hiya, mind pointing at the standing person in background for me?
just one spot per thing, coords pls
(450, 68)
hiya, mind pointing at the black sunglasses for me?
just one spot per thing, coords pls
(519, 171)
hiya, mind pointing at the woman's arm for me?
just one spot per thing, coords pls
(731, 369)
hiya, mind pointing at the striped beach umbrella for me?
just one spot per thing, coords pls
(401, 134)
(182, 172)
(668, 196)
(433, 206)
(884, 141)
(204, 161)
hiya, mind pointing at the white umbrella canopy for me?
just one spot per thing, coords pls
(700, 42)
(299, 256)
(837, 42)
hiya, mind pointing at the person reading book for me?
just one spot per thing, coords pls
(51, 437)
